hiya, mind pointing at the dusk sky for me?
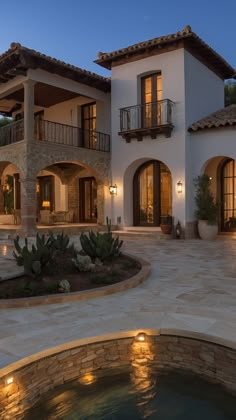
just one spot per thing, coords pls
(74, 31)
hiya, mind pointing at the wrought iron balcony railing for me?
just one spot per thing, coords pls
(149, 118)
(68, 135)
(57, 133)
(12, 133)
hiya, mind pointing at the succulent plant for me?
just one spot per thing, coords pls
(83, 262)
(101, 245)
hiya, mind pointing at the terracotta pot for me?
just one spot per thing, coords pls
(166, 229)
(206, 231)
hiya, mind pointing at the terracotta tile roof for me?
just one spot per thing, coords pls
(17, 57)
(222, 118)
(190, 41)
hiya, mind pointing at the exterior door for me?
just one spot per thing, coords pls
(88, 200)
(152, 194)
(151, 93)
(89, 125)
(228, 188)
(46, 193)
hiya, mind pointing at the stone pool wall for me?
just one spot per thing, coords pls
(211, 361)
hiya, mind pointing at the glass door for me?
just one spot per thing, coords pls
(229, 196)
(151, 95)
(89, 125)
(152, 191)
(88, 200)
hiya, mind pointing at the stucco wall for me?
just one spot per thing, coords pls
(204, 90)
(171, 151)
(205, 145)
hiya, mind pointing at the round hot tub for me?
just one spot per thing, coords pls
(124, 376)
(148, 394)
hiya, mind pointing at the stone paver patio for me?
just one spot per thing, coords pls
(192, 288)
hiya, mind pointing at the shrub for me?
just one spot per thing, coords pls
(206, 208)
(101, 245)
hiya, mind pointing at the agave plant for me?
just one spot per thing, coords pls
(101, 245)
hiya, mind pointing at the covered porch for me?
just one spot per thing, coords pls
(68, 196)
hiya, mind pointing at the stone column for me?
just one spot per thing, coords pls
(29, 110)
(28, 207)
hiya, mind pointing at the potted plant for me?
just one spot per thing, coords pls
(166, 224)
(206, 208)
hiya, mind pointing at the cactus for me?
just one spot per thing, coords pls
(44, 255)
(36, 267)
(83, 262)
(60, 242)
(33, 260)
(101, 245)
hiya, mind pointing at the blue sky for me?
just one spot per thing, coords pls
(75, 30)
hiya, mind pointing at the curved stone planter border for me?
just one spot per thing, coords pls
(84, 295)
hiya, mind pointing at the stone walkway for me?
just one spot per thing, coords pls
(192, 287)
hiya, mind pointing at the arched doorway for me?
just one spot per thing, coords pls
(228, 192)
(152, 190)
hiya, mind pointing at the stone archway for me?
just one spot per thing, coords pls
(66, 184)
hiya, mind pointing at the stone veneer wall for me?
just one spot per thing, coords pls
(214, 362)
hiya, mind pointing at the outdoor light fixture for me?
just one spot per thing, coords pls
(113, 189)
(46, 204)
(87, 379)
(37, 188)
(141, 336)
(180, 186)
(9, 380)
(6, 187)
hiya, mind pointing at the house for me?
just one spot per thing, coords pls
(147, 132)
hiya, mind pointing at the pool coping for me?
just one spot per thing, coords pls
(133, 281)
(18, 364)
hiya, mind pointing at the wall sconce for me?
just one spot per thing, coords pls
(37, 188)
(9, 380)
(180, 186)
(113, 189)
(141, 336)
(46, 204)
(6, 187)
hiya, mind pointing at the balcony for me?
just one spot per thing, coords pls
(149, 119)
(52, 132)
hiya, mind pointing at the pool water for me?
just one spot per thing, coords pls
(131, 396)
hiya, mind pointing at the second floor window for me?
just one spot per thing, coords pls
(151, 86)
(89, 125)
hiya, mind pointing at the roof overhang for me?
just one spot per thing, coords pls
(225, 117)
(182, 39)
(18, 60)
